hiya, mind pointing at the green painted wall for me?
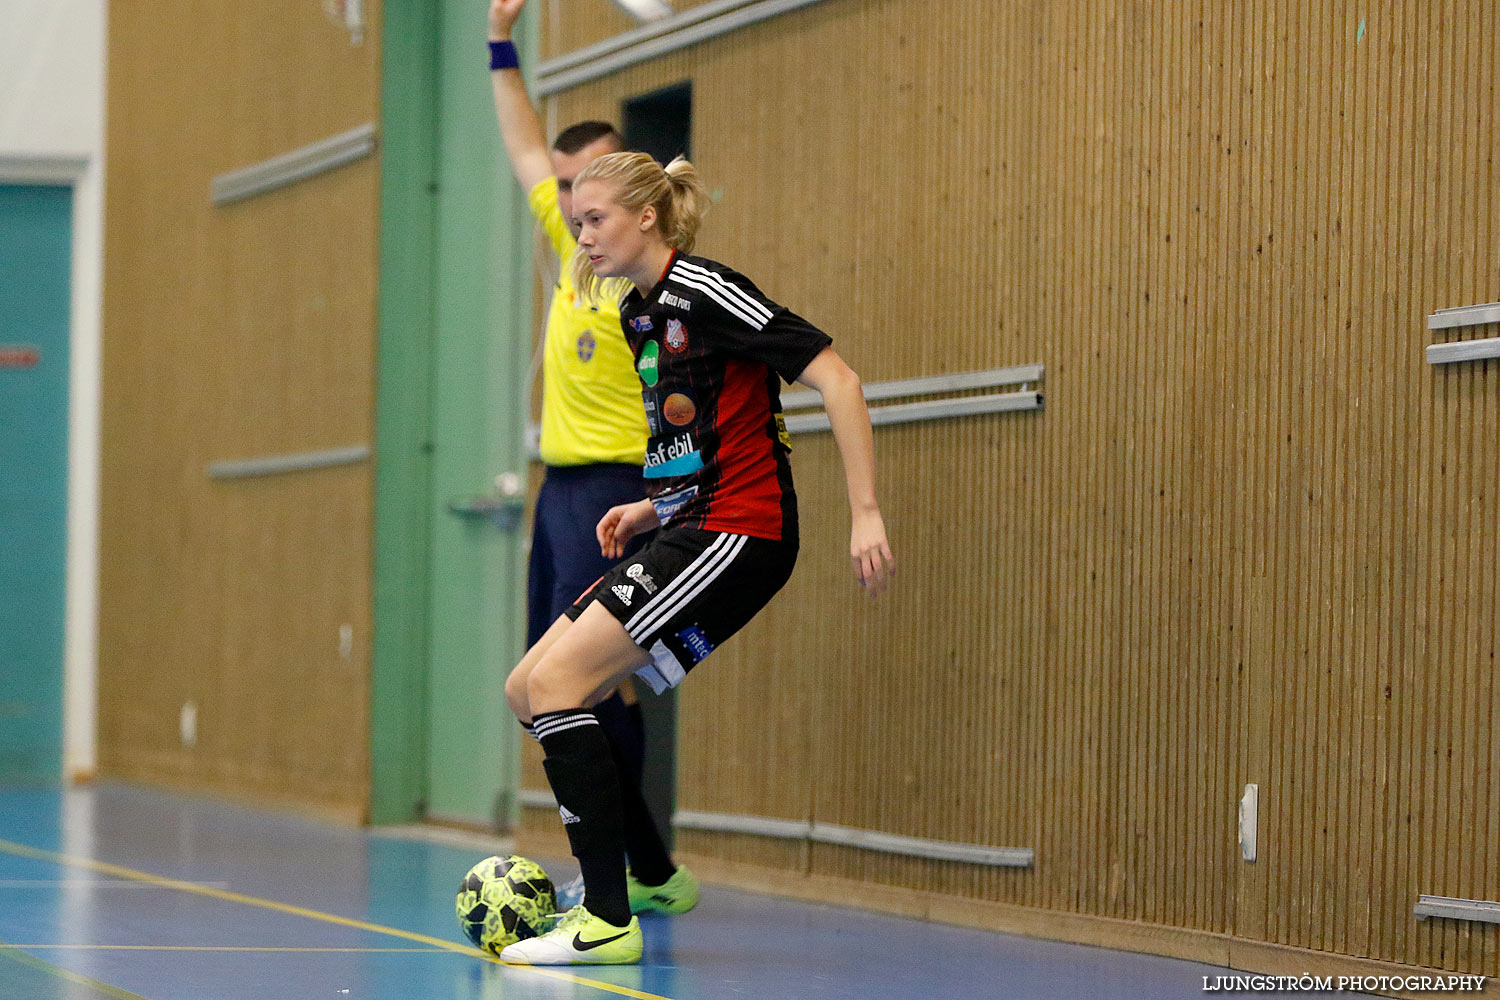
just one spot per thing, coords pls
(483, 320)
(402, 413)
(455, 324)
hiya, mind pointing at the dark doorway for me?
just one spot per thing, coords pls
(661, 122)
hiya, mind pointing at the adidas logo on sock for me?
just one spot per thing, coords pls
(567, 815)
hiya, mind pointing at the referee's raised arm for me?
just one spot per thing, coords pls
(520, 126)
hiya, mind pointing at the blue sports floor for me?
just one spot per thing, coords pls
(119, 892)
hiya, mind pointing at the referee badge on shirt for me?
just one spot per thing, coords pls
(586, 345)
(676, 338)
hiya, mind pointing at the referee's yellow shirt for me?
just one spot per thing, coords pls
(591, 396)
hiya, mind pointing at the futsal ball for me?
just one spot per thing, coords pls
(504, 900)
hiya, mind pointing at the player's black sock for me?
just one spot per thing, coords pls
(649, 861)
(582, 772)
(627, 735)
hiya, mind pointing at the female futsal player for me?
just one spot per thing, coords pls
(709, 350)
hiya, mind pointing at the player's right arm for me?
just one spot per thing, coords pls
(520, 127)
(620, 524)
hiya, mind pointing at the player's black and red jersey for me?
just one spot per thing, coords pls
(709, 348)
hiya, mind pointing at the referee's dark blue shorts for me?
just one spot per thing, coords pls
(565, 559)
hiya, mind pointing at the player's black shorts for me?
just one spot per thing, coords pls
(687, 592)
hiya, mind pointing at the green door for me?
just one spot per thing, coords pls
(455, 335)
(35, 242)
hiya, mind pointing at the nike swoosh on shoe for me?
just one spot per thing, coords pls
(582, 945)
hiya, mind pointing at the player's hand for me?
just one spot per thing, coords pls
(870, 552)
(620, 524)
(503, 14)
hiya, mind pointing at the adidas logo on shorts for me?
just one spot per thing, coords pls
(624, 593)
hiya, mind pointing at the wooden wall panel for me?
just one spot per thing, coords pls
(1252, 538)
(236, 332)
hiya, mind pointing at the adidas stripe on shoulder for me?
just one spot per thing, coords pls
(734, 299)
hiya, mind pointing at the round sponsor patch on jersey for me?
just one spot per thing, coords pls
(679, 409)
(647, 366)
(676, 337)
(587, 345)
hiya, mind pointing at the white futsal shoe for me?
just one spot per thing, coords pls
(580, 938)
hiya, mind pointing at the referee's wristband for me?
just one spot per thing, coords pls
(503, 56)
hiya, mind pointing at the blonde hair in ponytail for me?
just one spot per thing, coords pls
(674, 191)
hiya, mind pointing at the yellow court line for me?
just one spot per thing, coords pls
(23, 851)
(226, 947)
(14, 953)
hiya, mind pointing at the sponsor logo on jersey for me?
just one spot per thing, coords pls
(638, 573)
(679, 409)
(669, 506)
(586, 345)
(624, 592)
(677, 457)
(653, 413)
(675, 301)
(648, 366)
(676, 338)
(641, 324)
(696, 642)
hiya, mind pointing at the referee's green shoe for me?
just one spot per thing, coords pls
(677, 895)
(580, 938)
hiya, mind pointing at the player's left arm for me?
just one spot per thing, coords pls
(844, 400)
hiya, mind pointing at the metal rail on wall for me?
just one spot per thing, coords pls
(658, 38)
(276, 465)
(288, 168)
(1028, 397)
(1464, 350)
(828, 833)
(1453, 908)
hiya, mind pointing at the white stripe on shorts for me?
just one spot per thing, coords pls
(702, 571)
(707, 555)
